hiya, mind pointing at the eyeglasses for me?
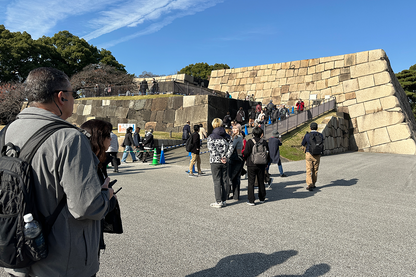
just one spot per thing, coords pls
(74, 93)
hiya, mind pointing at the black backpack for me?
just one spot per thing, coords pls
(17, 198)
(316, 143)
(188, 144)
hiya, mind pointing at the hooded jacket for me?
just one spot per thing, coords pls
(219, 145)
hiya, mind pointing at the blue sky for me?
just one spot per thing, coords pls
(163, 36)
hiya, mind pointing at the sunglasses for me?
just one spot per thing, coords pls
(74, 93)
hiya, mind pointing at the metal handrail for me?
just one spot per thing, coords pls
(293, 121)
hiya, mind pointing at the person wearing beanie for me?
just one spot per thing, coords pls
(274, 143)
(313, 142)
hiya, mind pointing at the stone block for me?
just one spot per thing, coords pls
(373, 106)
(382, 78)
(329, 65)
(362, 57)
(407, 146)
(175, 103)
(150, 125)
(340, 98)
(339, 89)
(366, 82)
(148, 105)
(80, 109)
(160, 104)
(160, 116)
(350, 85)
(399, 132)
(377, 54)
(122, 112)
(189, 101)
(361, 140)
(378, 120)
(326, 74)
(143, 115)
(378, 66)
(303, 71)
(334, 81)
(349, 102)
(378, 136)
(153, 115)
(321, 84)
(313, 62)
(374, 93)
(311, 70)
(345, 142)
(320, 67)
(139, 104)
(350, 59)
(339, 63)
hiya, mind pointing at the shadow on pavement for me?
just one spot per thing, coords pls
(255, 264)
(251, 264)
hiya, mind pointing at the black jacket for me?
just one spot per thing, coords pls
(196, 143)
(249, 148)
(128, 140)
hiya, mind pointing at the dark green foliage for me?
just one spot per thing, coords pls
(407, 79)
(19, 54)
(202, 70)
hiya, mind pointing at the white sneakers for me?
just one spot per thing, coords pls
(218, 205)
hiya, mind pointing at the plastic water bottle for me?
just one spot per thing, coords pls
(34, 231)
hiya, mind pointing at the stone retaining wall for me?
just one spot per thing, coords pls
(363, 83)
(161, 114)
(336, 133)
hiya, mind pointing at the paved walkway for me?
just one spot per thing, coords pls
(359, 222)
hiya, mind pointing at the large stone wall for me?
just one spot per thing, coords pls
(363, 84)
(162, 114)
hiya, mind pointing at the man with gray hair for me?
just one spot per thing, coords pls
(63, 167)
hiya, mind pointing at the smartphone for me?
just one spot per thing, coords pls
(111, 184)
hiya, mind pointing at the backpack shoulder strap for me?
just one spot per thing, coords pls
(37, 139)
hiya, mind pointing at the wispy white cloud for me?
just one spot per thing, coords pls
(140, 11)
(38, 17)
(201, 5)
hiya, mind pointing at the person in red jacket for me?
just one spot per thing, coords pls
(300, 105)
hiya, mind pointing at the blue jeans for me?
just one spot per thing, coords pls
(128, 150)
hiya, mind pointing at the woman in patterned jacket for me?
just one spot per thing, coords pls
(220, 150)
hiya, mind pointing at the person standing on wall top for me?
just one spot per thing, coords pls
(313, 142)
(143, 87)
(186, 132)
(155, 86)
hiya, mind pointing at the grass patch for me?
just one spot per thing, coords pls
(292, 148)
